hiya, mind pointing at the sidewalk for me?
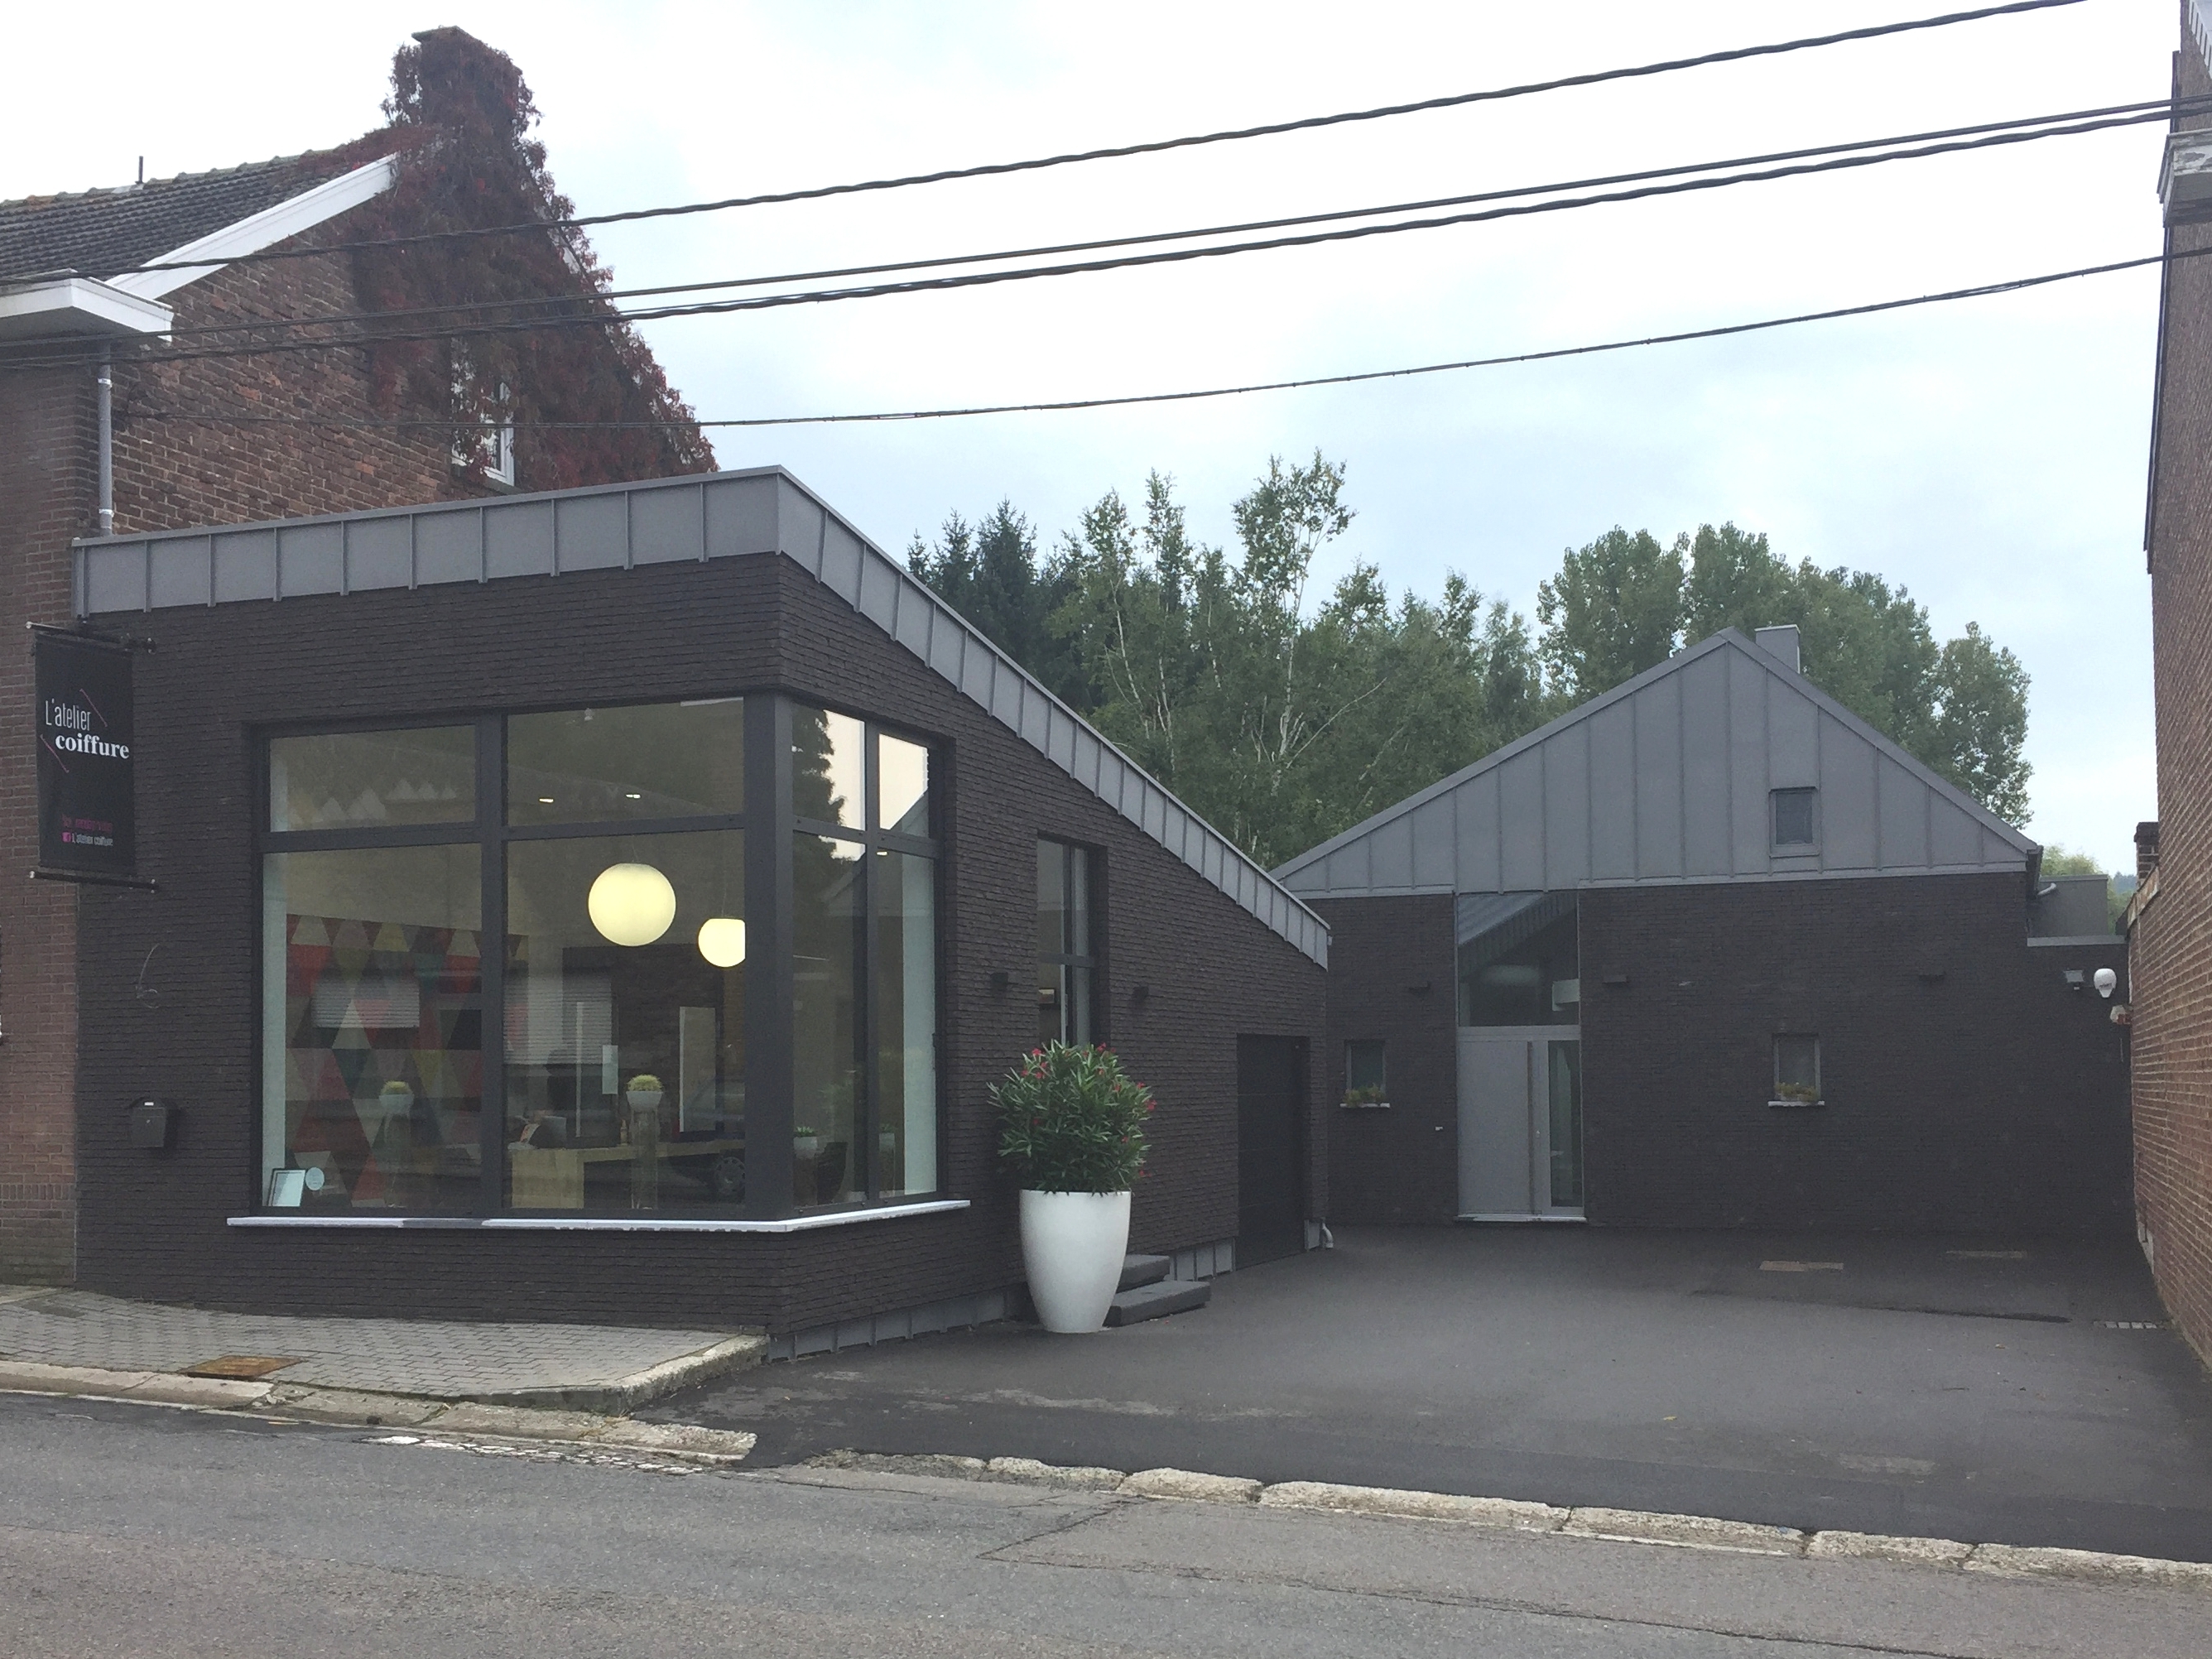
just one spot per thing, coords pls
(571, 1383)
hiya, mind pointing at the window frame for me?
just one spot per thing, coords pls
(1094, 959)
(770, 827)
(1776, 845)
(1776, 1095)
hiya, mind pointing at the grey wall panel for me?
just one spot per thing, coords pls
(667, 526)
(1613, 793)
(1903, 826)
(945, 638)
(798, 524)
(1520, 820)
(1035, 723)
(880, 586)
(1392, 851)
(115, 578)
(1659, 778)
(1848, 811)
(1477, 828)
(1060, 738)
(448, 547)
(1747, 830)
(979, 666)
(1436, 844)
(1708, 843)
(916, 611)
(245, 566)
(1007, 695)
(311, 559)
(591, 532)
(380, 553)
(1793, 741)
(741, 516)
(1566, 808)
(1996, 853)
(1086, 760)
(519, 539)
(841, 561)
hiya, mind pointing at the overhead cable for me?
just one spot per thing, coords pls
(597, 317)
(1734, 54)
(1721, 330)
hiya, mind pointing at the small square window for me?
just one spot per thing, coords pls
(1797, 1069)
(1797, 819)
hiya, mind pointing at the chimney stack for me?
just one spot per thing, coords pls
(1781, 643)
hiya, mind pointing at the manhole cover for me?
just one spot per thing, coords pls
(247, 1365)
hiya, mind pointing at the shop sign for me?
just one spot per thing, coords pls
(87, 827)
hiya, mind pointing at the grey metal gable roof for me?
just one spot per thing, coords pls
(1666, 779)
(620, 526)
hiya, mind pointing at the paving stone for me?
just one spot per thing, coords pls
(677, 1439)
(1414, 1505)
(350, 1405)
(1695, 1531)
(1880, 1546)
(1190, 1483)
(1077, 1478)
(221, 1392)
(2094, 1564)
(1157, 1300)
(33, 1377)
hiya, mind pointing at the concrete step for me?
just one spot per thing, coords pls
(1145, 1270)
(1158, 1299)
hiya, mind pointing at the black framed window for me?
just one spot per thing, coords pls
(1797, 1068)
(537, 962)
(1366, 1081)
(1797, 819)
(1068, 944)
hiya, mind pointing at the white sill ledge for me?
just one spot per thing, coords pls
(797, 1224)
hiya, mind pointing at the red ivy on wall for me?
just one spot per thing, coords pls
(460, 119)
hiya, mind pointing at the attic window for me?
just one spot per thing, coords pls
(495, 448)
(1797, 819)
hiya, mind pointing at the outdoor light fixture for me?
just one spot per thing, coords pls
(631, 903)
(2106, 982)
(722, 941)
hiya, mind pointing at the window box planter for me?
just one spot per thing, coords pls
(1363, 1105)
(1797, 1105)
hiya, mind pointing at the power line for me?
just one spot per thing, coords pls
(1722, 331)
(1734, 54)
(611, 317)
(2025, 126)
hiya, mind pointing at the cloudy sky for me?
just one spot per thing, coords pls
(1988, 455)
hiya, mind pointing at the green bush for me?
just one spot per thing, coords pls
(1072, 1121)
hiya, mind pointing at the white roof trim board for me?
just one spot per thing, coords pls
(620, 526)
(1666, 780)
(261, 230)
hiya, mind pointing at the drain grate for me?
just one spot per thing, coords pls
(1801, 1267)
(2131, 1325)
(1989, 1255)
(245, 1366)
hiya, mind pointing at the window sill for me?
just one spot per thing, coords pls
(1363, 1105)
(1796, 1105)
(641, 1224)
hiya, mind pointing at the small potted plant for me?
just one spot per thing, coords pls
(644, 1093)
(804, 1142)
(1073, 1123)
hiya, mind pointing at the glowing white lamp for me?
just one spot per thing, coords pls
(631, 903)
(722, 941)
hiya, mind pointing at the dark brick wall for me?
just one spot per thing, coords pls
(2172, 944)
(168, 474)
(153, 1223)
(1992, 1100)
(1391, 968)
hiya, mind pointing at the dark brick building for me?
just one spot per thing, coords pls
(1709, 951)
(2171, 917)
(874, 860)
(71, 295)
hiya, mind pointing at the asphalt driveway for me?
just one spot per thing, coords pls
(2009, 1391)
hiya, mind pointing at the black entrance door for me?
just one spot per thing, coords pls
(1271, 1088)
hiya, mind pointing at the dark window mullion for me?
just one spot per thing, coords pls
(614, 829)
(769, 983)
(346, 840)
(870, 1104)
(491, 1041)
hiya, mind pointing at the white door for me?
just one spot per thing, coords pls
(1519, 1122)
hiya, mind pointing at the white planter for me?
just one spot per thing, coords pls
(1073, 1244)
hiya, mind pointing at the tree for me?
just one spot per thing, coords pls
(1980, 722)
(989, 574)
(1614, 609)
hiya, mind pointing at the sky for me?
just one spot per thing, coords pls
(1988, 455)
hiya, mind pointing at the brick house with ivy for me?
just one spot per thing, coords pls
(257, 378)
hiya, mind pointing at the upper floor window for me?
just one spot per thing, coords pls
(1067, 944)
(1797, 819)
(486, 440)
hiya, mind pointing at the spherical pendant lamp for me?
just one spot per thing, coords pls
(631, 903)
(722, 941)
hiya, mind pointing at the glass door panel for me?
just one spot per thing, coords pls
(1565, 1103)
